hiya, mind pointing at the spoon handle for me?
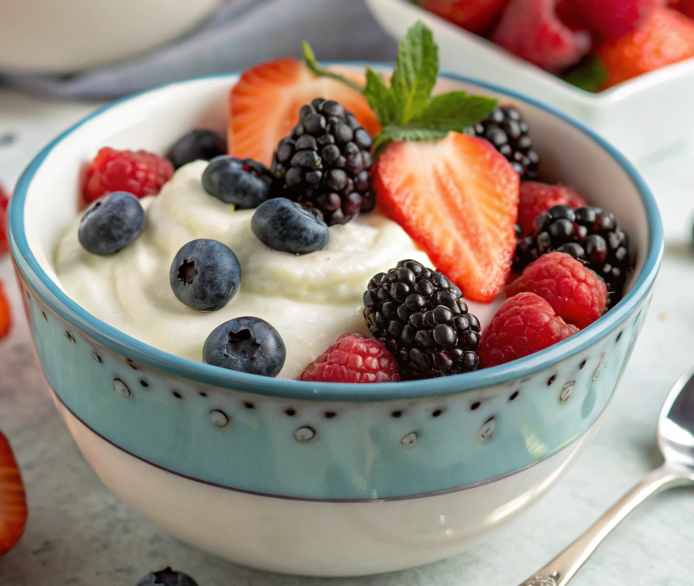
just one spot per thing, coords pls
(562, 568)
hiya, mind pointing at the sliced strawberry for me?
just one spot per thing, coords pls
(536, 198)
(477, 16)
(13, 505)
(5, 313)
(264, 105)
(457, 198)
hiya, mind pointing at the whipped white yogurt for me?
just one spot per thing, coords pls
(310, 299)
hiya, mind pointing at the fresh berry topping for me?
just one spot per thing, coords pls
(590, 235)
(167, 577)
(5, 313)
(196, 145)
(667, 37)
(422, 319)
(353, 358)
(4, 202)
(457, 198)
(138, 172)
(507, 131)
(325, 162)
(537, 198)
(265, 103)
(477, 16)
(524, 324)
(612, 19)
(686, 7)
(244, 183)
(532, 30)
(246, 344)
(111, 223)
(288, 226)
(576, 293)
(13, 506)
(205, 275)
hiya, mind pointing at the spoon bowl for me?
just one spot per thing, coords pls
(676, 422)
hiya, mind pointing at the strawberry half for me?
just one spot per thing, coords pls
(264, 105)
(457, 198)
(13, 506)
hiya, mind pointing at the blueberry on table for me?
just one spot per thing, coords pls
(246, 344)
(205, 274)
(287, 226)
(167, 577)
(245, 183)
(111, 223)
(196, 145)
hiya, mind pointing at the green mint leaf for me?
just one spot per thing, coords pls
(415, 72)
(318, 69)
(380, 98)
(589, 75)
(400, 133)
(455, 111)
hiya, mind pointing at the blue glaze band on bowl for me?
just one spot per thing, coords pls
(320, 440)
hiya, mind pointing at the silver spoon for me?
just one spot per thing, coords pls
(676, 443)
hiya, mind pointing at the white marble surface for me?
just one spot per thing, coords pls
(79, 534)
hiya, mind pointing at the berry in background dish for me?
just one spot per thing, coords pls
(386, 225)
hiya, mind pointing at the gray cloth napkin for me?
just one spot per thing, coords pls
(241, 33)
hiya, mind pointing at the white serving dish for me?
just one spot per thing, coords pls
(640, 117)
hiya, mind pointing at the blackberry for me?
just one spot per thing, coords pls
(325, 162)
(590, 235)
(505, 129)
(422, 319)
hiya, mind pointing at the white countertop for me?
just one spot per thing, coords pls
(79, 534)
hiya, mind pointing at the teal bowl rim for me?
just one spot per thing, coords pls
(145, 354)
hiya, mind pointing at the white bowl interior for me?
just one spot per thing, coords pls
(154, 120)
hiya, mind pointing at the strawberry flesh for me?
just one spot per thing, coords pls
(458, 199)
(13, 506)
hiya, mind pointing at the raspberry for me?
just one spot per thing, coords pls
(612, 19)
(537, 198)
(576, 293)
(4, 202)
(532, 30)
(353, 358)
(138, 172)
(524, 324)
(5, 314)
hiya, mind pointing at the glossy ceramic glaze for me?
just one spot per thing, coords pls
(612, 113)
(194, 447)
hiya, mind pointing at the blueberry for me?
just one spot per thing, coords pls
(246, 344)
(205, 275)
(244, 183)
(287, 226)
(111, 223)
(196, 145)
(167, 577)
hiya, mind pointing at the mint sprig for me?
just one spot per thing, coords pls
(405, 108)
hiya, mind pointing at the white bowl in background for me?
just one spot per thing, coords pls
(63, 36)
(640, 117)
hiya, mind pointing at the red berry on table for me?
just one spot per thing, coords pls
(13, 506)
(686, 7)
(477, 16)
(537, 198)
(458, 199)
(667, 37)
(4, 202)
(264, 105)
(576, 293)
(523, 325)
(5, 313)
(353, 358)
(612, 19)
(532, 30)
(138, 172)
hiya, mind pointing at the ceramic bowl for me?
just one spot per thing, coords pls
(71, 35)
(640, 117)
(317, 478)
